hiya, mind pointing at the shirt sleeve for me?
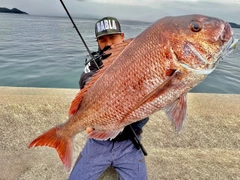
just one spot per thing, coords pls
(85, 77)
(91, 67)
(89, 70)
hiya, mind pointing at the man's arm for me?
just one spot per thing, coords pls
(85, 77)
(90, 69)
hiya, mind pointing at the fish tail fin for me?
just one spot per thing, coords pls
(63, 145)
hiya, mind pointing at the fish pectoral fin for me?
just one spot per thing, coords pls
(177, 112)
(104, 135)
(161, 89)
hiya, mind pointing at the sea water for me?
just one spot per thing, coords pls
(38, 51)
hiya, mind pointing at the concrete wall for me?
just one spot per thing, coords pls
(207, 148)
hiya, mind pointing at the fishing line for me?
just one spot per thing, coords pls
(42, 39)
(42, 45)
(89, 52)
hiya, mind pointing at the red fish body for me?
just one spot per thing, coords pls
(143, 75)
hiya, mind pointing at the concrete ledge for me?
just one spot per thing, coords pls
(207, 148)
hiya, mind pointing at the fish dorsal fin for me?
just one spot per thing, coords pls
(177, 112)
(76, 102)
(114, 51)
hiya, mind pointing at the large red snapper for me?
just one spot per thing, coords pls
(143, 75)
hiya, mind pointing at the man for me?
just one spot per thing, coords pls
(123, 153)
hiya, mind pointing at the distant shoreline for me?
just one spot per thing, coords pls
(17, 11)
(13, 10)
(234, 25)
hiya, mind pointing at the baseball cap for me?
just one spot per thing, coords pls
(106, 26)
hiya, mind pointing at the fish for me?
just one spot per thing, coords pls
(151, 72)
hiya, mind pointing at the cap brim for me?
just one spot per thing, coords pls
(108, 34)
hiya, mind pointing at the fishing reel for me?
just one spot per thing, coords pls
(96, 58)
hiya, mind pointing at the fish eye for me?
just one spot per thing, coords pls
(195, 26)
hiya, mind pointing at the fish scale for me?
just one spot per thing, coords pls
(154, 71)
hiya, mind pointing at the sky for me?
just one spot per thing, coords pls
(141, 10)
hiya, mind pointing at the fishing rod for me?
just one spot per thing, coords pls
(74, 25)
(137, 141)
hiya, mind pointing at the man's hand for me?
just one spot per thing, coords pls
(89, 130)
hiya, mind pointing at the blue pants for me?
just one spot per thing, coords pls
(97, 156)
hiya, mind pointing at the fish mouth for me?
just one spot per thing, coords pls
(226, 49)
(230, 46)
